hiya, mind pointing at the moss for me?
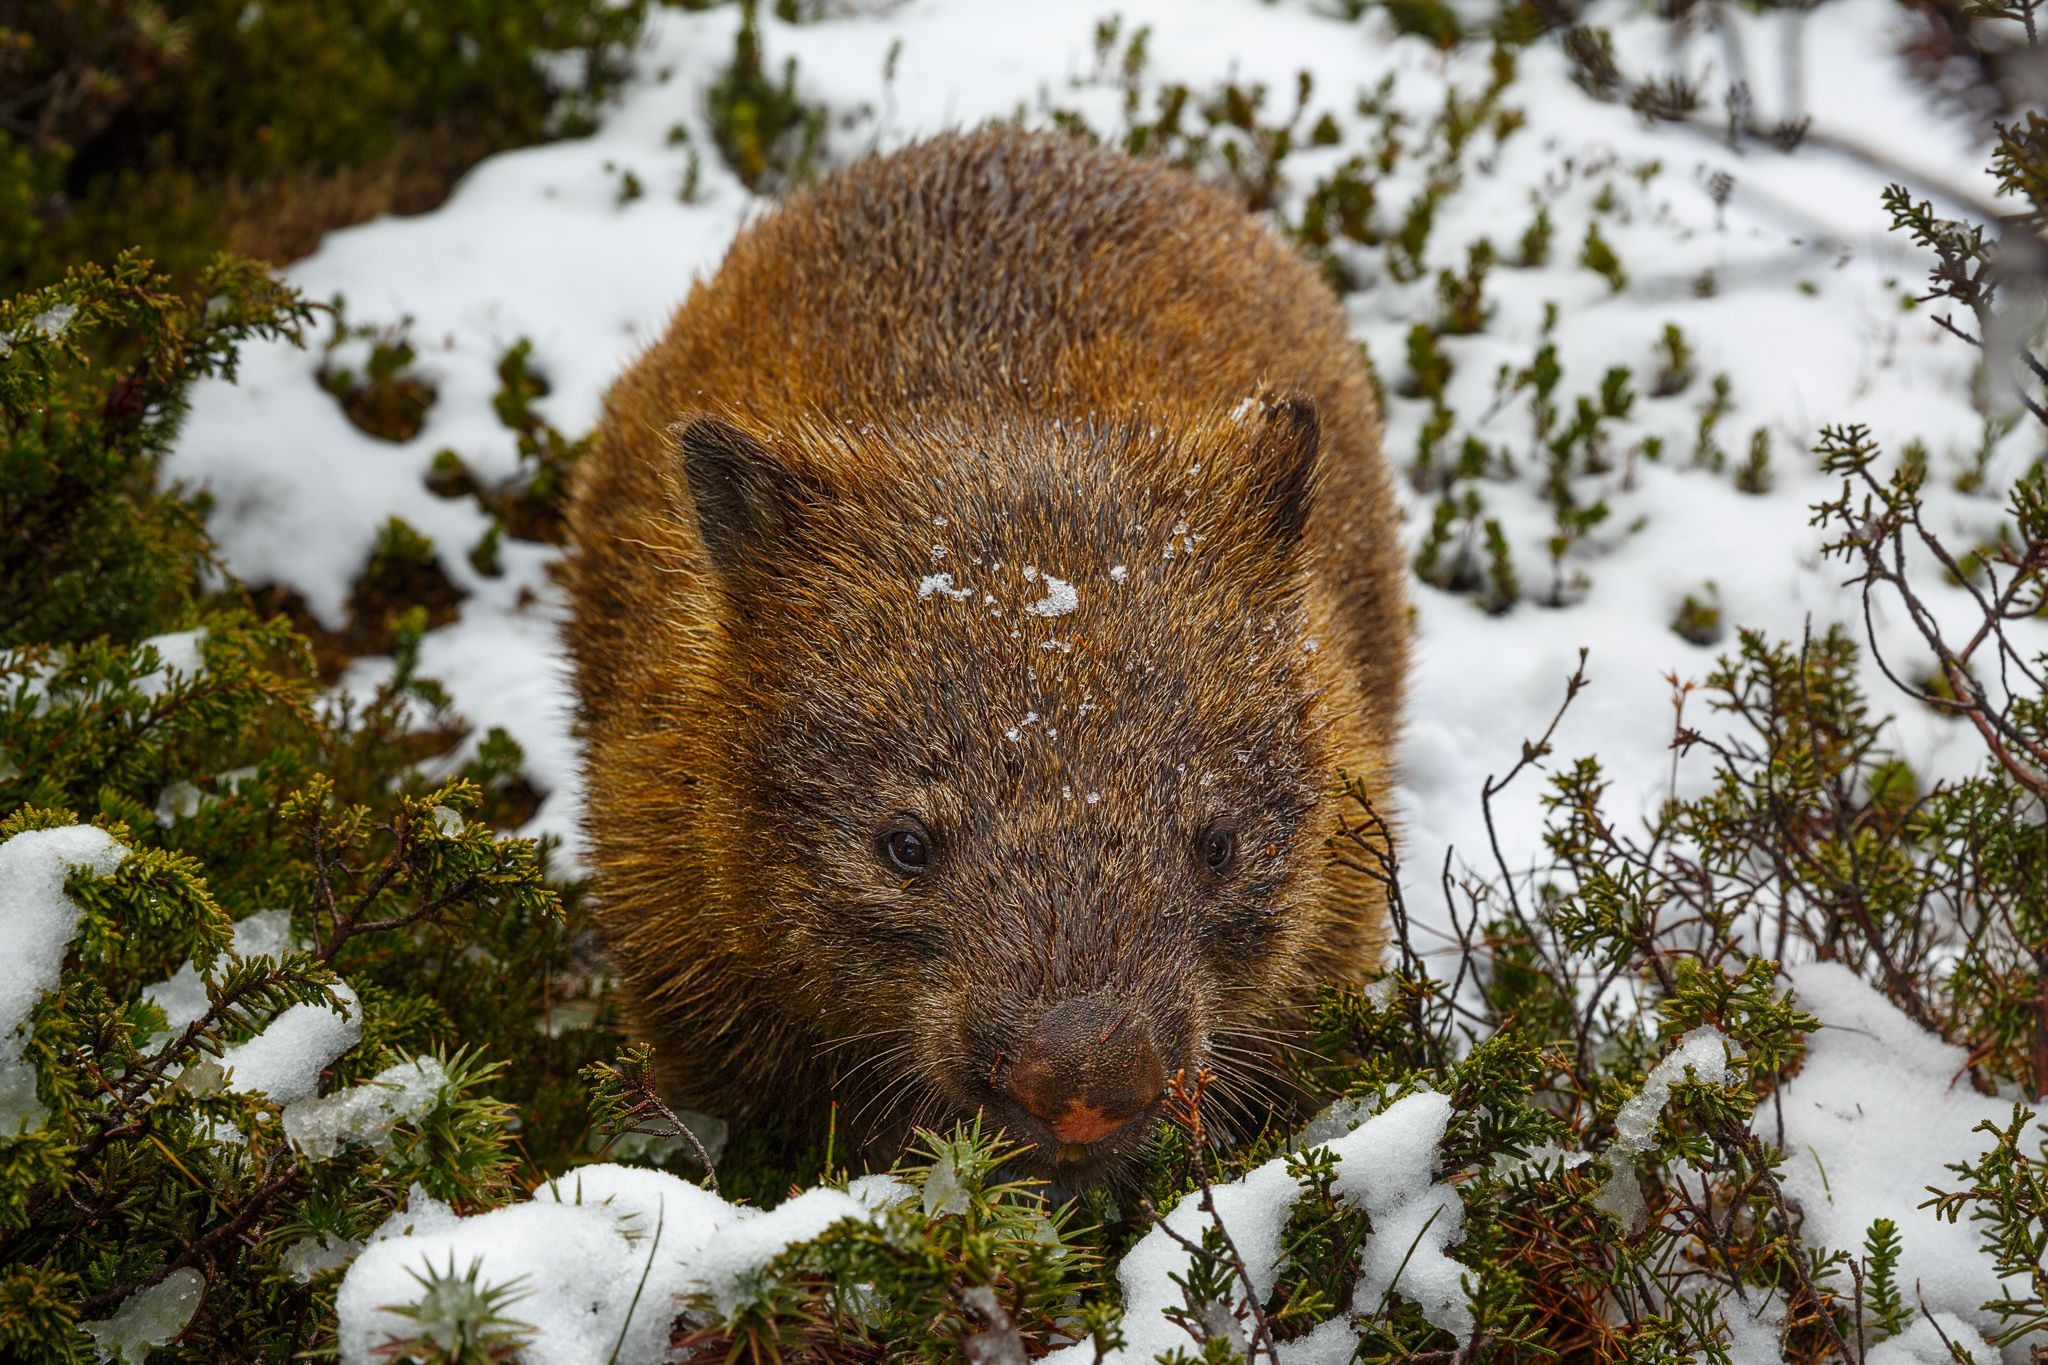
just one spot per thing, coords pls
(769, 136)
(1598, 256)
(1699, 618)
(387, 400)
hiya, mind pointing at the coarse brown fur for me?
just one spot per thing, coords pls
(1012, 359)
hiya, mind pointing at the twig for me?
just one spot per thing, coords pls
(1184, 1103)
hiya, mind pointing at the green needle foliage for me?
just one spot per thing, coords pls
(235, 794)
(84, 546)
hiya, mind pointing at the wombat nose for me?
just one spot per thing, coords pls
(1087, 1068)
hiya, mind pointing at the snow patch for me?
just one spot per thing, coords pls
(1704, 1053)
(37, 921)
(1878, 1111)
(147, 1318)
(1386, 1164)
(179, 801)
(182, 998)
(603, 1253)
(286, 1059)
(1922, 1344)
(366, 1114)
(177, 657)
(311, 1256)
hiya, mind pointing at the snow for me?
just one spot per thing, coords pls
(1060, 597)
(179, 801)
(940, 584)
(1849, 1157)
(1753, 1328)
(1701, 1055)
(603, 1253)
(311, 1256)
(147, 1318)
(177, 657)
(183, 997)
(1922, 1344)
(1386, 1165)
(750, 1243)
(37, 920)
(366, 1114)
(285, 1060)
(55, 322)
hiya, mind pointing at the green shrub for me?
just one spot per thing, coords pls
(139, 124)
(87, 546)
(203, 754)
(769, 136)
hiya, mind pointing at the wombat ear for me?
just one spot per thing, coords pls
(747, 498)
(1285, 450)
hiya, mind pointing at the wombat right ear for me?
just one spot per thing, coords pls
(1290, 440)
(747, 499)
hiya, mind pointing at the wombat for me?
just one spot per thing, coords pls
(979, 596)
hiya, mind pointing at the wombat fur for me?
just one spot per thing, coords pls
(1011, 501)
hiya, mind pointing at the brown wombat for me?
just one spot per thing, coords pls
(977, 595)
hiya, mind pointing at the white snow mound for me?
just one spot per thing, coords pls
(602, 1255)
(37, 921)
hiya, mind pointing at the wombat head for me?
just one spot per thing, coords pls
(1028, 743)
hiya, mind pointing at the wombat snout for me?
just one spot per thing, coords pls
(1088, 1067)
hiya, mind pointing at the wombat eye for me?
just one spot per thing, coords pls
(1219, 848)
(907, 846)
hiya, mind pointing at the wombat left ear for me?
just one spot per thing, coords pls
(747, 498)
(1285, 450)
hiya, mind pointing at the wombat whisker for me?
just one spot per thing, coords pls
(847, 1040)
(1258, 1055)
(1248, 1046)
(1277, 1038)
(888, 1055)
(893, 1050)
(1236, 1094)
(1245, 1077)
(891, 1095)
(930, 1110)
(1267, 1086)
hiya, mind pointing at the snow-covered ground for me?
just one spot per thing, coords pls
(535, 244)
(1805, 318)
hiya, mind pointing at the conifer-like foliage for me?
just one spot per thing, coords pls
(137, 695)
(192, 127)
